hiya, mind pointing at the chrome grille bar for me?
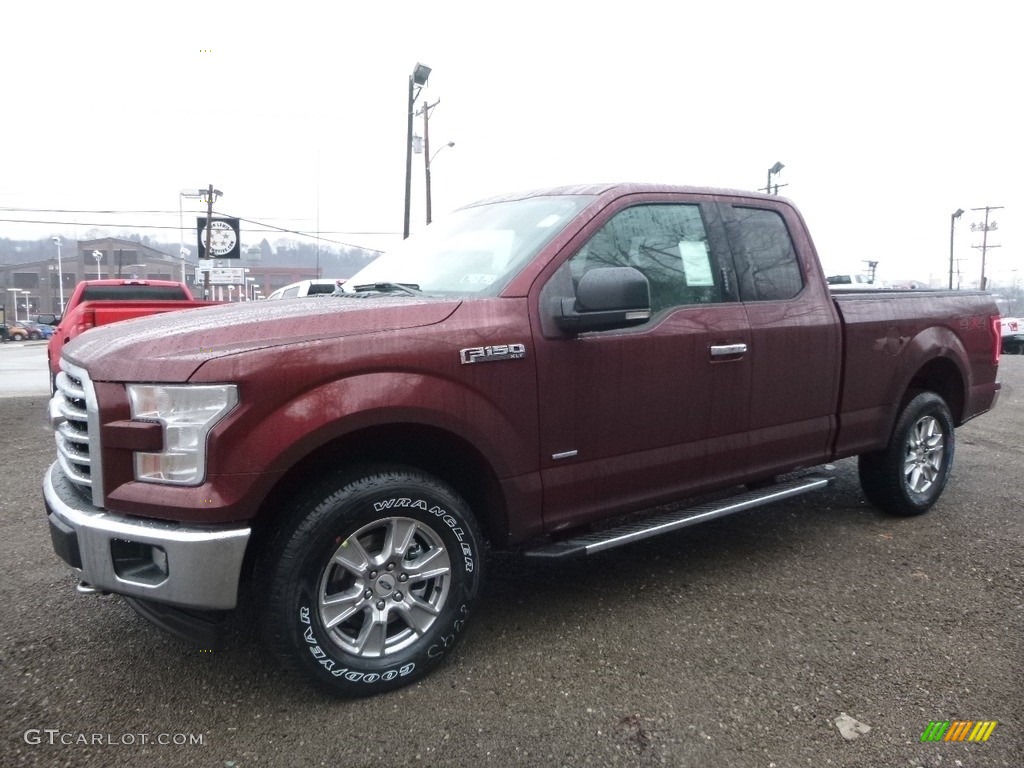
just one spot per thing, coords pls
(74, 417)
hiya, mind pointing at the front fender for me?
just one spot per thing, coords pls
(507, 440)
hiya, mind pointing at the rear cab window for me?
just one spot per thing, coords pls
(767, 267)
(133, 293)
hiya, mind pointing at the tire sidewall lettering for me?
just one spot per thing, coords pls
(336, 668)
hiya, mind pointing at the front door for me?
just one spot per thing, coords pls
(629, 418)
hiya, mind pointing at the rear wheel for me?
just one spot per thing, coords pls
(370, 585)
(909, 475)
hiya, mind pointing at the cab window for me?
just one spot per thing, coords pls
(667, 243)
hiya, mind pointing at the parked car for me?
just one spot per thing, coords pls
(38, 330)
(1013, 336)
(18, 332)
(102, 302)
(306, 288)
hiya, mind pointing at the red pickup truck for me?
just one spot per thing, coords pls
(101, 302)
(520, 375)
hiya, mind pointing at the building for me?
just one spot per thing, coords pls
(35, 285)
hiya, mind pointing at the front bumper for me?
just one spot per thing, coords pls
(189, 567)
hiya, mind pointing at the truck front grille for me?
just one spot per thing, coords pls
(74, 416)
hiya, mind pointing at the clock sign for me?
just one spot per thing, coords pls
(223, 238)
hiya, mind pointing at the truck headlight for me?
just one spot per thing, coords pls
(187, 414)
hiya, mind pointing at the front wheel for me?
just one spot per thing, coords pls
(370, 584)
(909, 475)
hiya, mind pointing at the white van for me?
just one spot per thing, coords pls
(852, 283)
(305, 288)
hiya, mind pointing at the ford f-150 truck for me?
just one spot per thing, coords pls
(529, 373)
(101, 302)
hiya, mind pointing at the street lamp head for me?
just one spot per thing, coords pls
(777, 167)
(958, 213)
(184, 252)
(57, 240)
(97, 255)
(420, 74)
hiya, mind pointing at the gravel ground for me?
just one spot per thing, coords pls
(736, 643)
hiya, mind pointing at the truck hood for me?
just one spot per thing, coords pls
(170, 347)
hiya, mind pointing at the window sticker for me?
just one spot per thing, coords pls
(696, 263)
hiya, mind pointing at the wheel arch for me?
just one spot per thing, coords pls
(942, 376)
(431, 449)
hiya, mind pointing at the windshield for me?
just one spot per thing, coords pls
(474, 251)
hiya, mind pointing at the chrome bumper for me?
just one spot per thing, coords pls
(195, 568)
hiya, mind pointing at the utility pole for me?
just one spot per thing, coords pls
(425, 109)
(210, 193)
(985, 229)
(209, 232)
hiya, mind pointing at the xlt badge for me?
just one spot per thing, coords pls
(493, 353)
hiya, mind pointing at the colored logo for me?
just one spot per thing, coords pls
(959, 730)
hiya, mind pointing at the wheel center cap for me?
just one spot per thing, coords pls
(385, 585)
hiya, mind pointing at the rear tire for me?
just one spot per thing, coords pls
(369, 586)
(909, 475)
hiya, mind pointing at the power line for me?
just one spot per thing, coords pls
(269, 228)
(294, 232)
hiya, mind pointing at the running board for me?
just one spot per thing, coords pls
(673, 521)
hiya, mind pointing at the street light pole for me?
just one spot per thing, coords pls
(15, 292)
(428, 159)
(952, 228)
(417, 80)
(773, 171)
(60, 273)
(97, 255)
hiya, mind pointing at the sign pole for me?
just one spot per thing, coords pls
(209, 230)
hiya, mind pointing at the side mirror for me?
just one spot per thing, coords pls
(606, 298)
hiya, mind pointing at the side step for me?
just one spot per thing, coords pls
(673, 521)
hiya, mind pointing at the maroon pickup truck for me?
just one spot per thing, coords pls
(521, 375)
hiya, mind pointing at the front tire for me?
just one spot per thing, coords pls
(909, 475)
(369, 586)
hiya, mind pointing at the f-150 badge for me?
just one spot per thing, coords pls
(493, 353)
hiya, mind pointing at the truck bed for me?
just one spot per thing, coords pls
(886, 335)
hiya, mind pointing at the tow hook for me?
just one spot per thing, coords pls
(85, 588)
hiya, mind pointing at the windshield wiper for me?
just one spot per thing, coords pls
(410, 288)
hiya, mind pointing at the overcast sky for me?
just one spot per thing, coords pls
(888, 116)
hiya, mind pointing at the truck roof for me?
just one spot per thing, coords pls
(622, 188)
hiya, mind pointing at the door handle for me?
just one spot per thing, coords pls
(725, 350)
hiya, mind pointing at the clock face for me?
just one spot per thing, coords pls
(222, 239)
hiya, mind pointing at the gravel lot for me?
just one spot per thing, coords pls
(735, 643)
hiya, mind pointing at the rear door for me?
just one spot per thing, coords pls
(795, 337)
(632, 417)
